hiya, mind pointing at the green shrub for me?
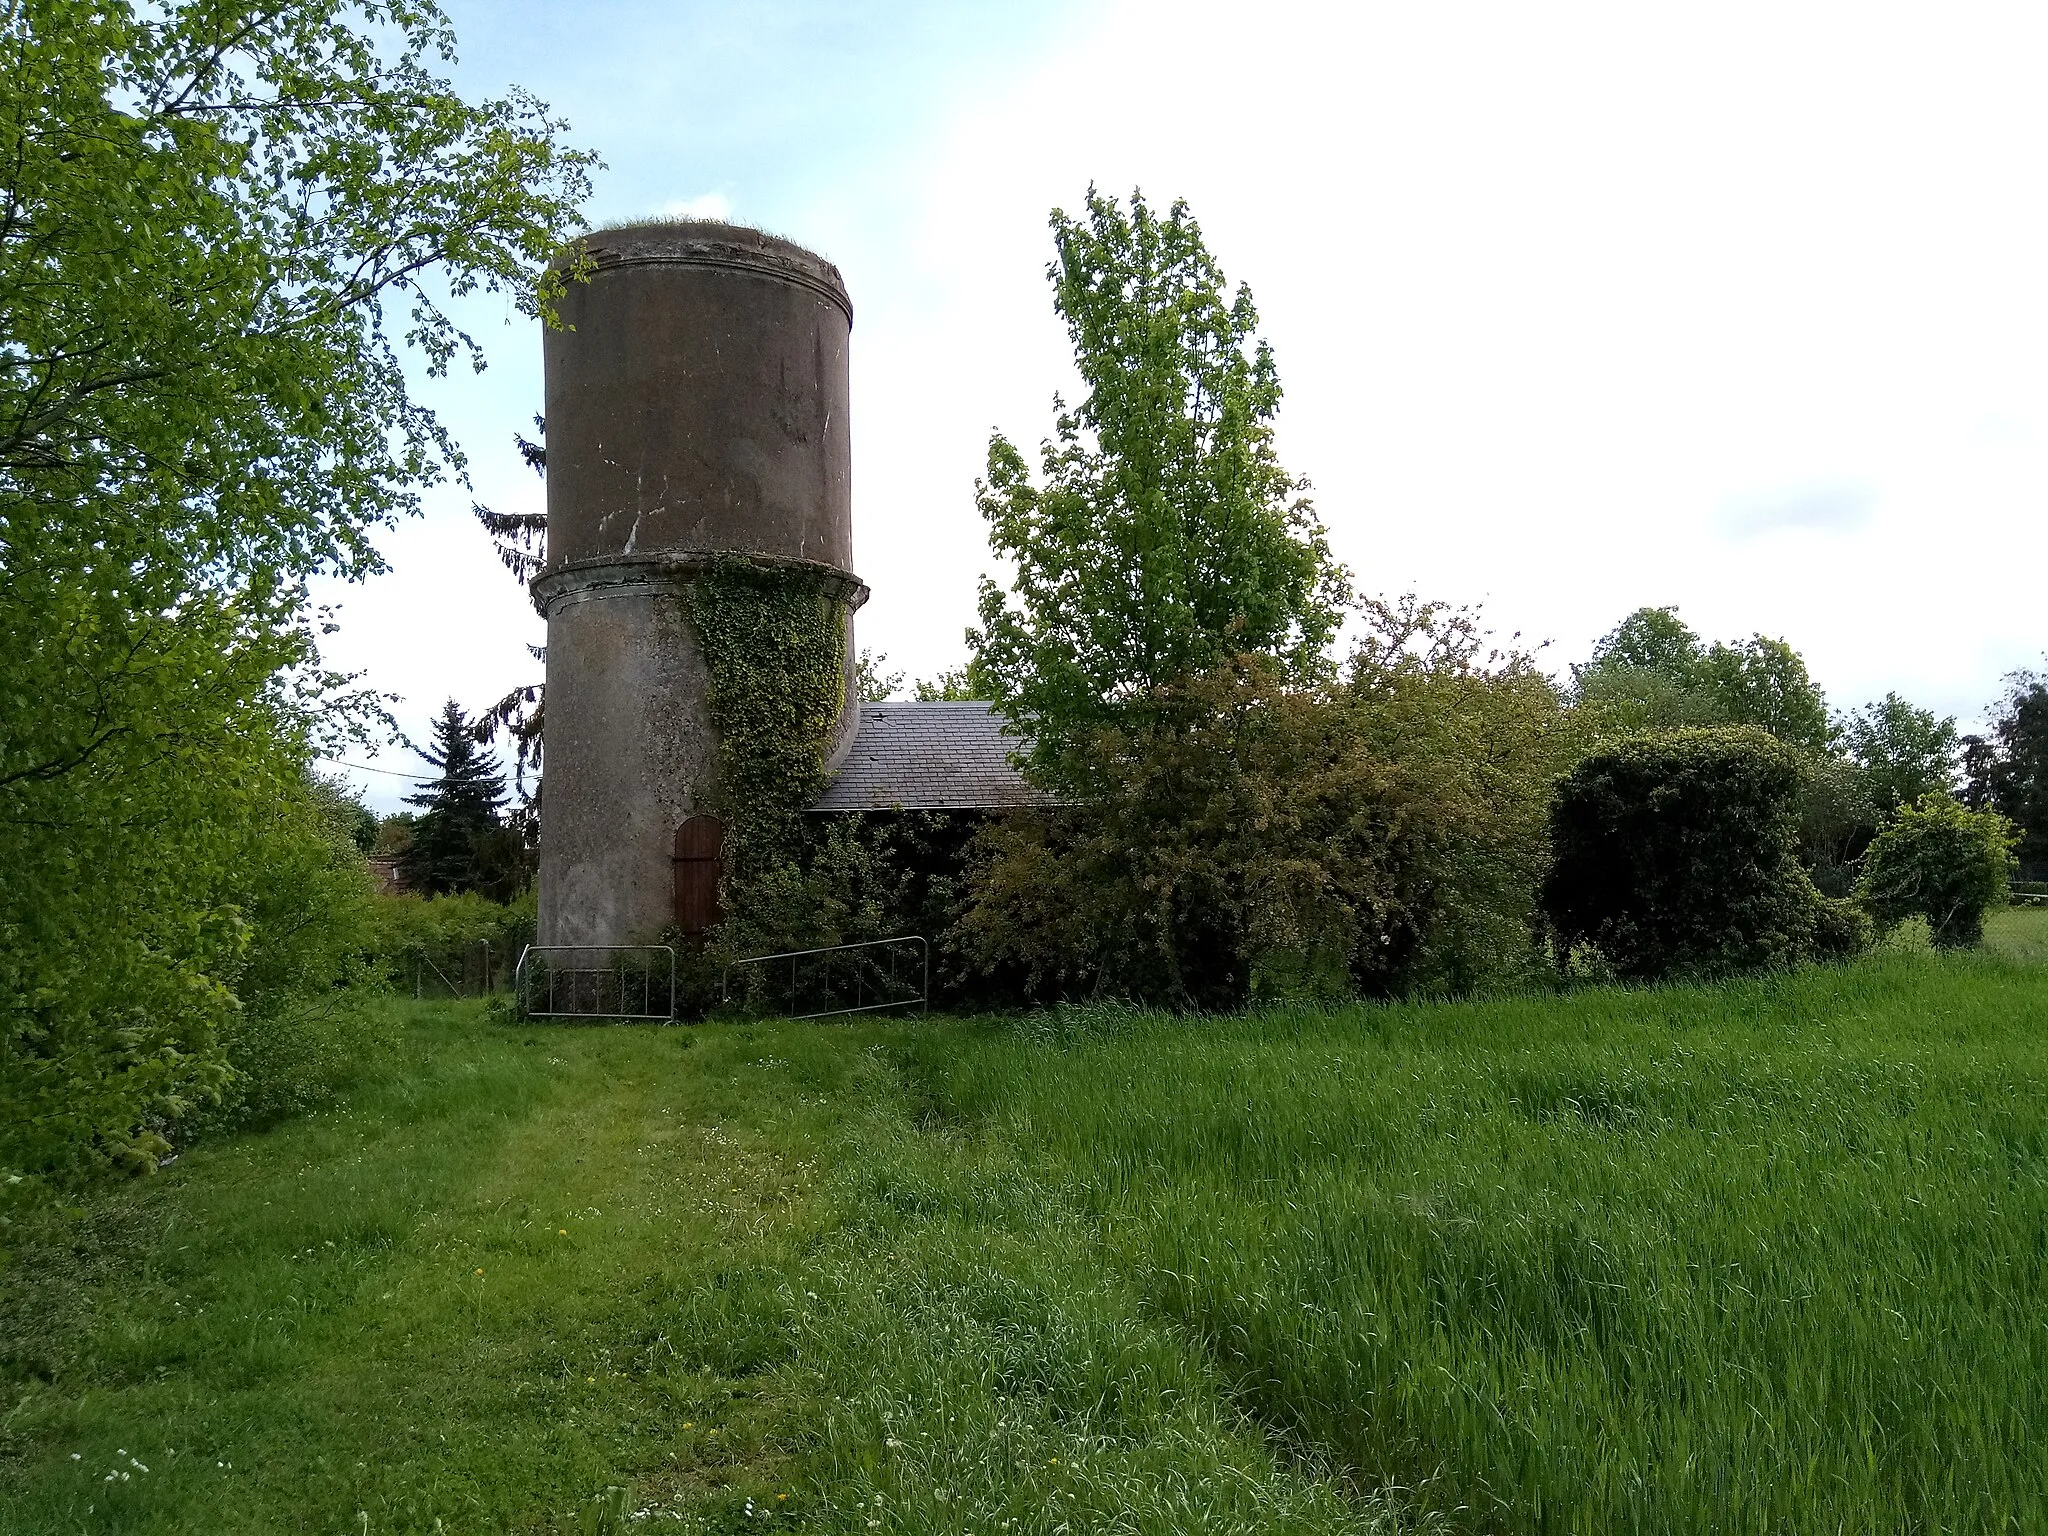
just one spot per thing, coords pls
(1261, 837)
(414, 938)
(1841, 928)
(125, 928)
(1676, 854)
(301, 1023)
(200, 976)
(1943, 862)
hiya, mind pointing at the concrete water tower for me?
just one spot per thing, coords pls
(696, 407)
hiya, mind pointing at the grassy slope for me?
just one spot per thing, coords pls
(1770, 1257)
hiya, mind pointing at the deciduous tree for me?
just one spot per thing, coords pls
(1161, 537)
(2008, 772)
(222, 225)
(1905, 752)
(1651, 672)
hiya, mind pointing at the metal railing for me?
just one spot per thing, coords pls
(858, 969)
(463, 970)
(629, 983)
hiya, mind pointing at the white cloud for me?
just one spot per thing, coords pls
(710, 205)
(1834, 508)
(1564, 296)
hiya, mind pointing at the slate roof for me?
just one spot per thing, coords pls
(928, 757)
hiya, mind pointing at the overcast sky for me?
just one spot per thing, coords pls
(1742, 308)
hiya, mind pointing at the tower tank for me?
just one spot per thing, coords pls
(697, 399)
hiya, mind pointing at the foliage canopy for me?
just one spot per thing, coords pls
(1379, 832)
(1675, 854)
(2008, 772)
(221, 225)
(1651, 672)
(1940, 861)
(1905, 752)
(1162, 538)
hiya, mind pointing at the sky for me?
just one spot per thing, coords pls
(1739, 308)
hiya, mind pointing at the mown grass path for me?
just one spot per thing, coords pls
(1766, 1257)
(545, 1279)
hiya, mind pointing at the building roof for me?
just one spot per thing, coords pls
(928, 757)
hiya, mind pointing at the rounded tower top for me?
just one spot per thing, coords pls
(711, 243)
(697, 399)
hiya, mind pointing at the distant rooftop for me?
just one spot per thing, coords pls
(929, 757)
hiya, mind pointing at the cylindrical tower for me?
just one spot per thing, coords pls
(696, 408)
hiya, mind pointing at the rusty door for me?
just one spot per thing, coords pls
(700, 842)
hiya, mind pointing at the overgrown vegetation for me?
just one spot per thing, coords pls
(1259, 836)
(214, 215)
(774, 640)
(1943, 864)
(1676, 855)
(1685, 1260)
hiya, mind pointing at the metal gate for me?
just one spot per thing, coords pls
(458, 970)
(631, 983)
(837, 979)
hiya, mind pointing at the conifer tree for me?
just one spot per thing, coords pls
(454, 842)
(521, 542)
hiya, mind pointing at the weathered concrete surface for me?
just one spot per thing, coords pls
(631, 749)
(699, 399)
(696, 405)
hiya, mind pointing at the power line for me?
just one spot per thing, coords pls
(388, 772)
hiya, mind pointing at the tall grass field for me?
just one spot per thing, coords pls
(1765, 1257)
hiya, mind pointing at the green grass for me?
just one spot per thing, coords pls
(1765, 1257)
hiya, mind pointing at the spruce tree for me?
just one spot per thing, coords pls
(454, 839)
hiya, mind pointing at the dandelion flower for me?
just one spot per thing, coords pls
(479, 1271)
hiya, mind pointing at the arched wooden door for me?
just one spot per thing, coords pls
(700, 844)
